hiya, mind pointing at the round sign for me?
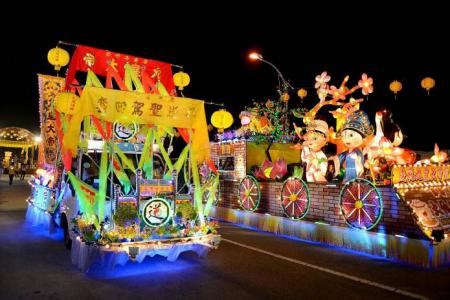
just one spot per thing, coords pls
(125, 132)
(156, 212)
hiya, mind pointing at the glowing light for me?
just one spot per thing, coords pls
(38, 139)
(321, 223)
(255, 56)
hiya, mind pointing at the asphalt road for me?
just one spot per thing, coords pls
(247, 265)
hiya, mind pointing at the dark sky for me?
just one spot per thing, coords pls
(388, 43)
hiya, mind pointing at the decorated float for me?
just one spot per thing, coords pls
(371, 196)
(117, 189)
(43, 187)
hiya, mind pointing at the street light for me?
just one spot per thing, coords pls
(283, 87)
(283, 84)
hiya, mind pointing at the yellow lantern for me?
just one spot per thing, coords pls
(395, 86)
(181, 80)
(58, 57)
(428, 83)
(302, 93)
(221, 119)
(285, 97)
(67, 103)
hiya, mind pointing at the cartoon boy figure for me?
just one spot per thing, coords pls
(315, 138)
(355, 129)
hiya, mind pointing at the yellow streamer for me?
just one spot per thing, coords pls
(126, 107)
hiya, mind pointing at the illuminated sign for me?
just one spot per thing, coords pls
(152, 190)
(156, 212)
(94, 145)
(124, 132)
(420, 174)
(127, 200)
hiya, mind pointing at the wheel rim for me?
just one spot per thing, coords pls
(295, 198)
(249, 193)
(361, 204)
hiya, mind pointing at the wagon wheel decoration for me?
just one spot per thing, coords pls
(211, 189)
(361, 204)
(295, 198)
(249, 193)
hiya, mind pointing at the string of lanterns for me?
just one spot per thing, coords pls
(395, 86)
(427, 83)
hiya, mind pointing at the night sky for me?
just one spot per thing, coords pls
(213, 47)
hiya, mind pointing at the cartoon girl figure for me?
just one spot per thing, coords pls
(354, 131)
(315, 138)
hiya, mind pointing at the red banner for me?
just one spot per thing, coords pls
(99, 61)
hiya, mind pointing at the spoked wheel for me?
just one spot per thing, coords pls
(249, 193)
(211, 189)
(295, 198)
(361, 204)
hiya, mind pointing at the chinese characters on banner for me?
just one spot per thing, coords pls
(127, 107)
(100, 61)
(49, 88)
(418, 174)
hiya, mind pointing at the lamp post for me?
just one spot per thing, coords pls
(283, 84)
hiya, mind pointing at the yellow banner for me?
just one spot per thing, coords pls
(415, 174)
(126, 107)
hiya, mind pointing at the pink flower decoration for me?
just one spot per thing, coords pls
(279, 169)
(322, 79)
(337, 93)
(366, 83)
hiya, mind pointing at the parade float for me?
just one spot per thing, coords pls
(372, 196)
(42, 189)
(46, 182)
(118, 190)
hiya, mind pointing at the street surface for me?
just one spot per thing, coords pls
(247, 265)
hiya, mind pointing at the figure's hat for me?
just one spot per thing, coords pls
(359, 122)
(319, 126)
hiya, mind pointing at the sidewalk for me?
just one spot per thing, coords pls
(12, 197)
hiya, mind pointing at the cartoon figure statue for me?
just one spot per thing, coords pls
(315, 138)
(355, 129)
